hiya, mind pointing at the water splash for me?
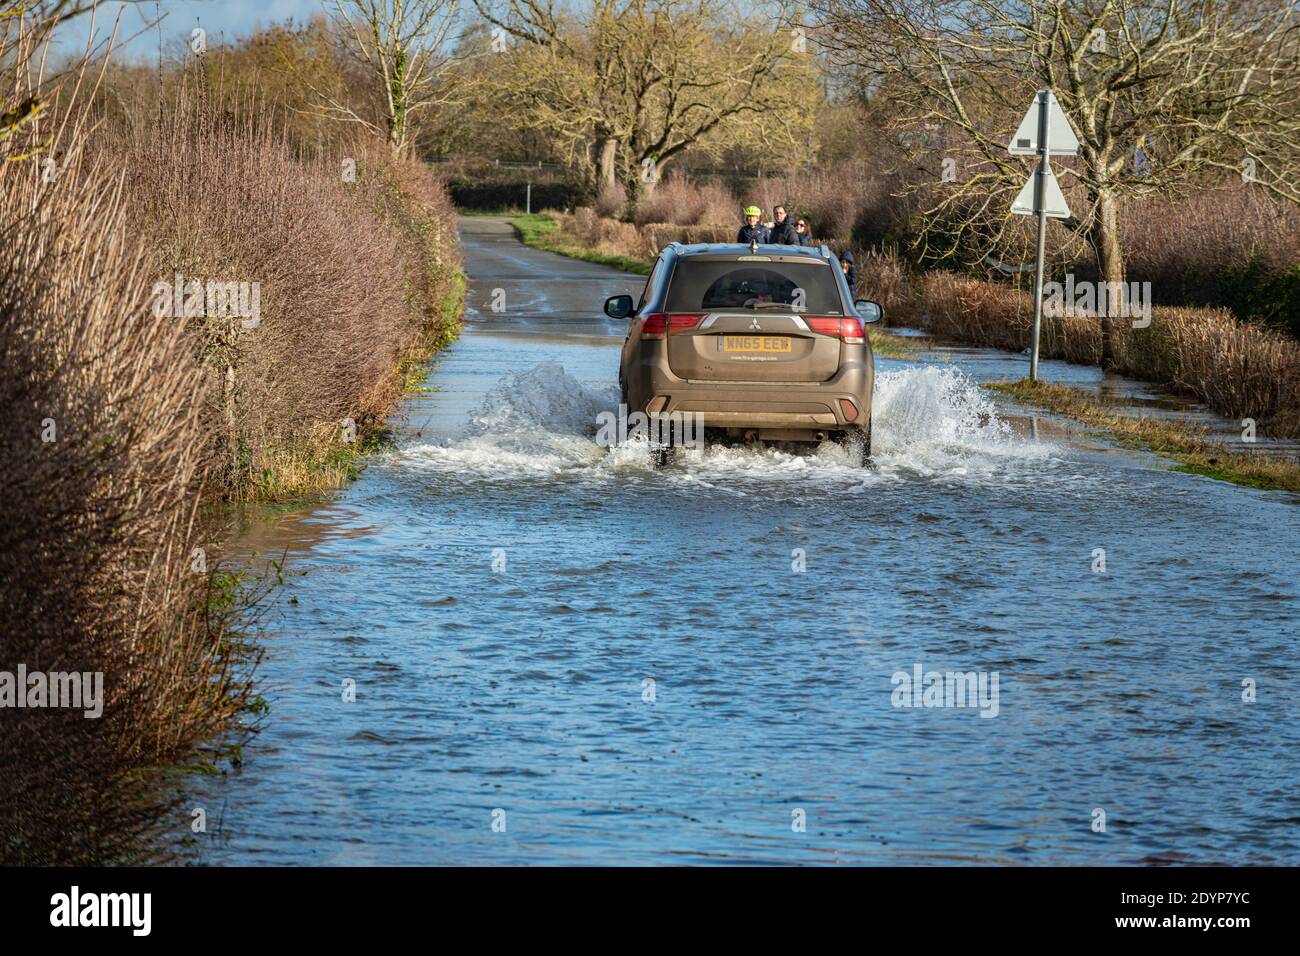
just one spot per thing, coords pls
(928, 421)
(544, 397)
(932, 419)
(533, 423)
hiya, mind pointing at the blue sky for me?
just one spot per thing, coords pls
(233, 17)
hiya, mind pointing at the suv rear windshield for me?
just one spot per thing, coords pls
(701, 285)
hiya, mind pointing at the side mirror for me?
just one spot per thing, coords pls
(619, 306)
(868, 311)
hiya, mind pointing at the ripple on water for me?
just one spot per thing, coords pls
(968, 546)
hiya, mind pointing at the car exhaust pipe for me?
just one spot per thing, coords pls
(821, 436)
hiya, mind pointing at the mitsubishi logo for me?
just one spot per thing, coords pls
(753, 324)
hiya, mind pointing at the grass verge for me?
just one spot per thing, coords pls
(1190, 448)
(538, 230)
(888, 345)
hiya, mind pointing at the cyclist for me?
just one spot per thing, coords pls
(753, 230)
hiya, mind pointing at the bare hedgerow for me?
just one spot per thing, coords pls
(885, 277)
(1236, 368)
(678, 200)
(989, 313)
(611, 198)
(226, 200)
(1239, 369)
(1223, 243)
(103, 453)
(120, 427)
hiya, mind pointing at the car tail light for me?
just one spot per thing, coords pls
(842, 327)
(851, 331)
(849, 409)
(654, 325)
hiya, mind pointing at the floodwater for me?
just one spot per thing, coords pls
(560, 655)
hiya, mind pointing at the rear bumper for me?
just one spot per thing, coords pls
(811, 406)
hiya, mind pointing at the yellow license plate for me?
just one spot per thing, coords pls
(754, 343)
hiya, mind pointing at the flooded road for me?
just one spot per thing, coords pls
(560, 655)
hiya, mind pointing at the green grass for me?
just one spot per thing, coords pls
(311, 469)
(443, 328)
(538, 230)
(1188, 446)
(891, 346)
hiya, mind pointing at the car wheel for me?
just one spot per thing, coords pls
(858, 442)
(661, 456)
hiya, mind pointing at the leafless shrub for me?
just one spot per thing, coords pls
(885, 277)
(103, 452)
(1236, 368)
(1215, 245)
(581, 224)
(613, 237)
(610, 200)
(227, 201)
(683, 203)
(988, 313)
(831, 202)
(656, 235)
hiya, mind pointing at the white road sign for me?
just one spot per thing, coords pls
(1061, 140)
(1044, 131)
(1053, 201)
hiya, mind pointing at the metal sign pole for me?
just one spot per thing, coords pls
(1040, 207)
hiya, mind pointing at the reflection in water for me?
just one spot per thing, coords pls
(628, 664)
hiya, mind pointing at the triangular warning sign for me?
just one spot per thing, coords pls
(1061, 140)
(1053, 200)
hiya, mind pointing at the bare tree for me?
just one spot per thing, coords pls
(1159, 91)
(403, 46)
(633, 84)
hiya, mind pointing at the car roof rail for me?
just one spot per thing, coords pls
(826, 252)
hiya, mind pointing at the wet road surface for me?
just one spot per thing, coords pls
(562, 656)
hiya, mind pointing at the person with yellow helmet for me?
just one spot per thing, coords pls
(753, 230)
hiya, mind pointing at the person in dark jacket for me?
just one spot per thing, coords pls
(753, 230)
(783, 233)
(850, 270)
(803, 232)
